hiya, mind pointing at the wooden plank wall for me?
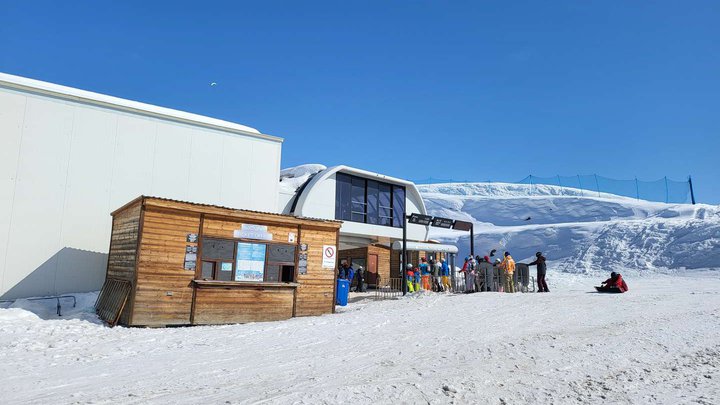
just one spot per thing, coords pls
(164, 291)
(242, 304)
(315, 291)
(123, 243)
(122, 256)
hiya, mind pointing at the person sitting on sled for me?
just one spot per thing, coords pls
(615, 282)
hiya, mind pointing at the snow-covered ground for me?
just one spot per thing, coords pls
(657, 343)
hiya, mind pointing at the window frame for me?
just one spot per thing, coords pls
(381, 217)
(218, 262)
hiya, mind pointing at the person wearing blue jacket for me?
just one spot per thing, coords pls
(445, 273)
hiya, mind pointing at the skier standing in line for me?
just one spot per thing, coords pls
(409, 277)
(509, 266)
(360, 275)
(445, 275)
(425, 273)
(541, 270)
(436, 268)
(470, 275)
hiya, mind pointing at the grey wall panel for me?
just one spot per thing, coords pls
(205, 177)
(133, 159)
(237, 168)
(171, 167)
(264, 180)
(12, 112)
(39, 195)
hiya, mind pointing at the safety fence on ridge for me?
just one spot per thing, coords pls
(662, 190)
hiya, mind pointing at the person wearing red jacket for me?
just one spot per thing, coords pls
(615, 282)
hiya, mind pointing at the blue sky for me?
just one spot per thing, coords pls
(464, 90)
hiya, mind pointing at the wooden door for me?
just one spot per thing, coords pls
(372, 270)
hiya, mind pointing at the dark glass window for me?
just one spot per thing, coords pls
(398, 206)
(342, 196)
(358, 200)
(368, 201)
(373, 194)
(384, 208)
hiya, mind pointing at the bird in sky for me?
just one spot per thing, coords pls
(213, 84)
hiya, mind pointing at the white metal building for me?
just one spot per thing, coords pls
(70, 157)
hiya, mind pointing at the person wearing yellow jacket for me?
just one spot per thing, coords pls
(509, 266)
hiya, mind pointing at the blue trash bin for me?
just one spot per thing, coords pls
(341, 293)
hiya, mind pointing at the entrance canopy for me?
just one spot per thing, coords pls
(426, 247)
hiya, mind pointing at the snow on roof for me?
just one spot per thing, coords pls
(23, 83)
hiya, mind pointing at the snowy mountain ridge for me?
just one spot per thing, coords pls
(578, 230)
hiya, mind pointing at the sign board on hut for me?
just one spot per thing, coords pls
(329, 254)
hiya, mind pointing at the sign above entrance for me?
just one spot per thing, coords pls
(420, 219)
(250, 231)
(462, 226)
(329, 256)
(442, 222)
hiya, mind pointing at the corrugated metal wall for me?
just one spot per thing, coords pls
(66, 165)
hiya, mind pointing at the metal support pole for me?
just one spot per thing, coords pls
(667, 193)
(472, 240)
(692, 193)
(452, 271)
(403, 259)
(581, 187)
(637, 188)
(597, 185)
(560, 184)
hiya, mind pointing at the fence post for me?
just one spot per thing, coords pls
(560, 185)
(692, 194)
(581, 187)
(667, 192)
(637, 189)
(597, 185)
(531, 185)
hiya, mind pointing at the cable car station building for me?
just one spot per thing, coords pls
(372, 207)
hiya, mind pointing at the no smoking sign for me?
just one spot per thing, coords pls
(329, 256)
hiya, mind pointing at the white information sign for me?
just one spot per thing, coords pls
(329, 254)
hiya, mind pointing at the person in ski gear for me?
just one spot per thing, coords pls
(509, 266)
(436, 269)
(409, 277)
(615, 282)
(350, 273)
(470, 275)
(416, 278)
(500, 274)
(425, 273)
(360, 275)
(445, 275)
(342, 271)
(541, 270)
(478, 276)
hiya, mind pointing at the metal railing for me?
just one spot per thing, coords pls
(58, 307)
(389, 289)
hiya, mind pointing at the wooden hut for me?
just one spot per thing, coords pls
(181, 263)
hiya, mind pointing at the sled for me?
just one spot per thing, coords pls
(608, 290)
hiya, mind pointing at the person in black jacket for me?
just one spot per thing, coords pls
(541, 270)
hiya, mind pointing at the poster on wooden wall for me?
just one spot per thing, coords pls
(250, 264)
